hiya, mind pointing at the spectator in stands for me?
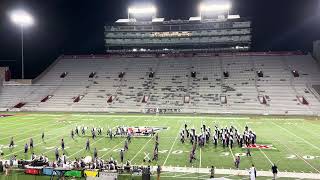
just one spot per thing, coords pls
(274, 169)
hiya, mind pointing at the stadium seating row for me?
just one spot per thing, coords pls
(220, 84)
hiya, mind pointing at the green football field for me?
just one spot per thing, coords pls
(295, 141)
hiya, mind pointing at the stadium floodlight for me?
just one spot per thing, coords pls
(22, 19)
(142, 10)
(214, 7)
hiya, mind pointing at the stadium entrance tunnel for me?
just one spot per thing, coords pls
(226, 74)
(151, 74)
(64, 74)
(121, 75)
(111, 99)
(20, 105)
(302, 100)
(92, 75)
(262, 99)
(295, 73)
(145, 99)
(193, 74)
(186, 99)
(45, 99)
(260, 74)
(223, 99)
(78, 98)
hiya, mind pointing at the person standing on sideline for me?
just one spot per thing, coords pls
(62, 144)
(274, 169)
(253, 173)
(212, 172)
(56, 153)
(121, 155)
(95, 153)
(237, 162)
(158, 172)
(6, 168)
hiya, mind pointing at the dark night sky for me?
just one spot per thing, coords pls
(76, 26)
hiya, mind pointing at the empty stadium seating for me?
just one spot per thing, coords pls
(250, 84)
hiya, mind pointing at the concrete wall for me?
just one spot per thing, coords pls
(2, 71)
(23, 81)
(2, 74)
(316, 50)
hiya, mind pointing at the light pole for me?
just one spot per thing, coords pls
(22, 19)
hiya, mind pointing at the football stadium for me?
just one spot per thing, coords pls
(168, 99)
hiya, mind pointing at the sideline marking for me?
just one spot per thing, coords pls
(172, 147)
(297, 136)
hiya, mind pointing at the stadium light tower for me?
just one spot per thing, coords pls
(22, 19)
(142, 11)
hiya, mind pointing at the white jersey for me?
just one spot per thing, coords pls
(252, 173)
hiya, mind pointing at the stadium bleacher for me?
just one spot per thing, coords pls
(220, 84)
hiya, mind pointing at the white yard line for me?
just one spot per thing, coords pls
(141, 149)
(290, 149)
(47, 140)
(85, 148)
(234, 158)
(308, 131)
(302, 159)
(265, 155)
(25, 132)
(109, 151)
(307, 142)
(171, 148)
(183, 177)
(183, 174)
(112, 149)
(166, 116)
(84, 121)
(237, 173)
(35, 136)
(27, 125)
